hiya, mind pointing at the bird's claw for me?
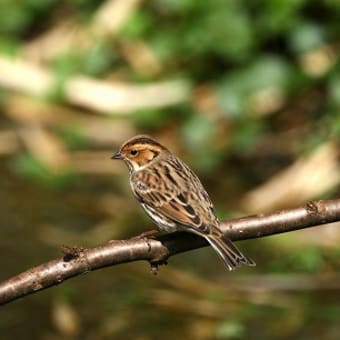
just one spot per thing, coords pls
(154, 266)
(149, 234)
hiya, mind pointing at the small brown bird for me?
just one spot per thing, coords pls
(173, 196)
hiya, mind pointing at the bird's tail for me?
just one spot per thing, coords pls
(230, 254)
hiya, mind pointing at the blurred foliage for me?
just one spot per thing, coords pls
(31, 168)
(265, 78)
(72, 136)
(95, 61)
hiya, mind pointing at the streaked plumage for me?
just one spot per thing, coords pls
(173, 196)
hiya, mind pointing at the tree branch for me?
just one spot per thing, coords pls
(79, 261)
(91, 93)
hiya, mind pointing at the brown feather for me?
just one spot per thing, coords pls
(186, 204)
(174, 197)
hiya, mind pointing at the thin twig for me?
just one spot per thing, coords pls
(156, 251)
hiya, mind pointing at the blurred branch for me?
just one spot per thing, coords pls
(90, 93)
(112, 15)
(156, 251)
(45, 147)
(309, 176)
(8, 142)
(107, 21)
(27, 111)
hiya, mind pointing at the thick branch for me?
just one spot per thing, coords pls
(156, 251)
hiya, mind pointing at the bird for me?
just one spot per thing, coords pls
(174, 197)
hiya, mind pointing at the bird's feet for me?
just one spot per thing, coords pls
(154, 266)
(149, 234)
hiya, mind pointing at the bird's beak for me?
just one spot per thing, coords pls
(117, 155)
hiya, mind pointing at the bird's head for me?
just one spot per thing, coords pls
(139, 151)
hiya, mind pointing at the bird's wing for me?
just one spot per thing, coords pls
(173, 194)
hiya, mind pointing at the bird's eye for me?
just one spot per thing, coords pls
(133, 152)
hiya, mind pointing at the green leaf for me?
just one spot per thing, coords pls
(246, 133)
(266, 73)
(197, 131)
(334, 89)
(307, 36)
(278, 16)
(138, 24)
(148, 119)
(31, 168)
(230, 330)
